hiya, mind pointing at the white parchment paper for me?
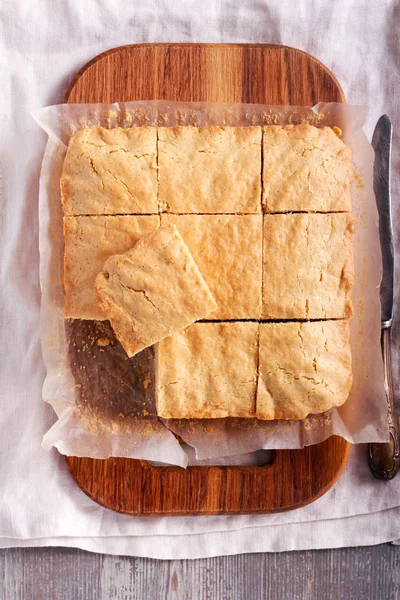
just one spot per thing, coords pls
(79, 430)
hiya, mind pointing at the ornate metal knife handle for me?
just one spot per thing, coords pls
(384, 459)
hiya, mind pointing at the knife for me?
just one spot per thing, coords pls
(384, 459)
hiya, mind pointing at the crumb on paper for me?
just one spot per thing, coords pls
(162, 119)
(146, 383)
(111, 115)
(148, 429)
(337, 131)
(322, 420)
(85, 122)
(358, 182)
(103, 341)
(268, 119)
(127, 121)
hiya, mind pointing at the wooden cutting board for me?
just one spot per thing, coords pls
(265, 74)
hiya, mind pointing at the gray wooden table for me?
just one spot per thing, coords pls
(69, 574)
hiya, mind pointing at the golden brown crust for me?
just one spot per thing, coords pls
(153, 290)
(228, 252)
(304, 368)
(305, 169)
(110, 171)
(89, 242)
(208, 371)
(308, 267)
(209, 169)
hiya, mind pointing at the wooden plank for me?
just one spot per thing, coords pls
(263, 74)
(369, 573)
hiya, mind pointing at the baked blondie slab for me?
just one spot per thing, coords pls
(305, 169)
(153, 290)
(304, 368)
(89, 242)
(228, 252)
(209, 169)
(110, 171)
(208, 371)
(308, 267)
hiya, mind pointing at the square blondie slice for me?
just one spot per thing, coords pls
(208, 371)
(209, 169)
(305, 169)
(304, 368)
(228, 252)
(110, 171)
(89, 242)
(153, 290)
(308, 268)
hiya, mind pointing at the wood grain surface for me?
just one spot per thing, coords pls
(295, 478)
(260, 74)
(369, 573)
(263, 74)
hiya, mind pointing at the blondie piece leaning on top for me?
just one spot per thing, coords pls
(308, 267)
(228, 252)
(305, 169)
(304, 368)
(209, 169)
(89, 242)
(208, 371)
(110, 171)
(153, 290)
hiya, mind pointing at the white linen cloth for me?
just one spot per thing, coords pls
(42, 45)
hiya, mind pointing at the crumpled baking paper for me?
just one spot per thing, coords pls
(105, 402)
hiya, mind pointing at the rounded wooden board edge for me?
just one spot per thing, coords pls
(344, 445)
(110, 51)
(264, 476)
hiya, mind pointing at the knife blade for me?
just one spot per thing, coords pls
(384, 459)
(382, 144)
